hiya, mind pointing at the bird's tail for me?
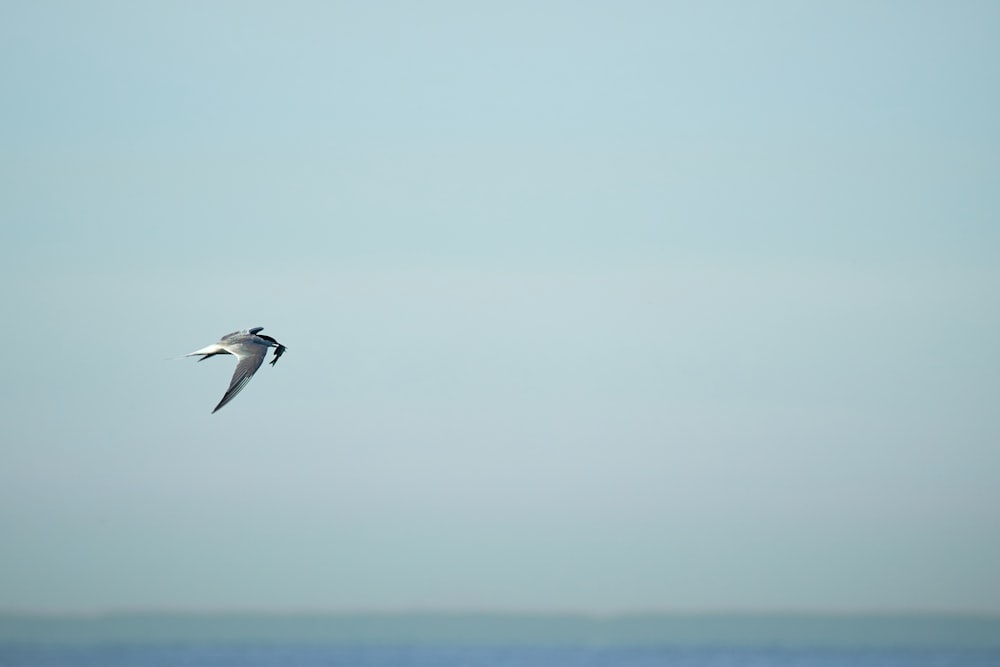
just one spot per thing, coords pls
(203, 356)
(205, 352)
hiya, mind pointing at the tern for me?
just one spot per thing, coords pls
(249, 346)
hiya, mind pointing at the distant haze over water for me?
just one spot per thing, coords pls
(446, 629)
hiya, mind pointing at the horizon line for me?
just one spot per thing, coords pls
(582, 613)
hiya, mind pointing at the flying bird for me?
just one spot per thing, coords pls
(249, 347)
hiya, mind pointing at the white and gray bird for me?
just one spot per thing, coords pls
(249, 347)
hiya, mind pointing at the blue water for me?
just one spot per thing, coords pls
(497, 640)
(28, 655)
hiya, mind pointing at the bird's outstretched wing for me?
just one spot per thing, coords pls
(251, 357)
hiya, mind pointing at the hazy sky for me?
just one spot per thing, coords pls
(589, 306)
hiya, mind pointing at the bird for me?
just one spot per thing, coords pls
(249, 346)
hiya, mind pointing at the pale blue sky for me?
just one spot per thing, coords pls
(588, 306)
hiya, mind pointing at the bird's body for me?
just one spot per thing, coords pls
(249, 348)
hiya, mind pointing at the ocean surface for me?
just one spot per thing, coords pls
(483, 656)
(485, 640)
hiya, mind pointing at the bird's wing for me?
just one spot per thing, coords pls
(251, 357)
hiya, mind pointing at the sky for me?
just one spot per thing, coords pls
(589, 306)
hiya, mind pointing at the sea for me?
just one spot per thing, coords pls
(498, 640)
